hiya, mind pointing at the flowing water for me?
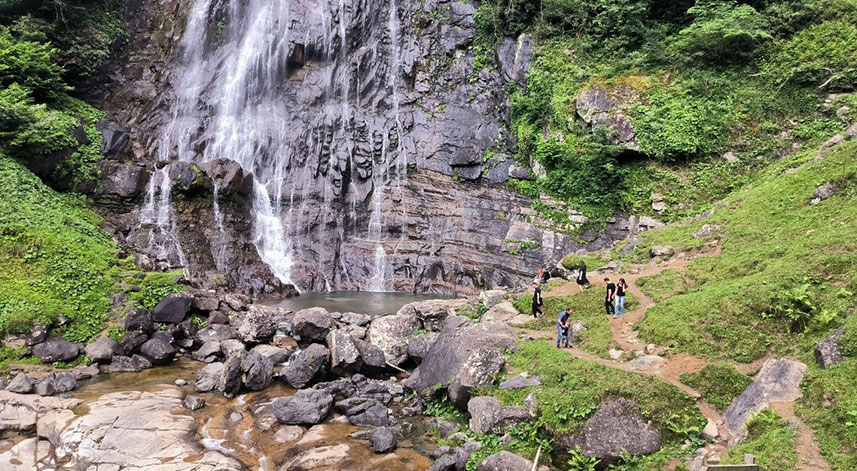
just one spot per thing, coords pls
(268, 84)
(244, 428)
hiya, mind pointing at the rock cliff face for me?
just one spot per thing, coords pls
(374, 141)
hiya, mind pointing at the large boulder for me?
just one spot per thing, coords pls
(257, 325)
(828, 351)
(433, 313)
(257, 371)
(277, 355)
(463, 357)
(102, 349)
(390, 334)
(207, 352)
(777, 381)
(21, 384)
(158, 350)
(124, 364)
(488, 416)
(505, 461)
(217, 333)
(368, 413)
(172, 309)
(306, 407)
(55, 349)
(383, 440)
(344, 356)
(139, 320)
(312, 324)
(132, 341)
(208, 376)
(305, 366)
(502, 312)
(419, 346)
(616, 427)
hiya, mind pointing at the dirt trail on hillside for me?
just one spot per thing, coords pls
(676, 364)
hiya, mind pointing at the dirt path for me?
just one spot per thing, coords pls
(676, 364)
(808, 454)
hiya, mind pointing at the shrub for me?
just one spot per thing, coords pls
(156, 287)
(30, 65)
(722, 31)
(823, 54)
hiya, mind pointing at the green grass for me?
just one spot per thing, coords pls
(665, 284)
(780, 258)
(572, 262)
(719, 384)
(54, 257)
(572, 389)
(155, 287)
(770, 439)
(829, 407)
(588, 307)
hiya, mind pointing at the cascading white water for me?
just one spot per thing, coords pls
(234, 99)
(157, 216)
(220, 253)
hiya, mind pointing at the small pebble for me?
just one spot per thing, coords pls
(181, 382)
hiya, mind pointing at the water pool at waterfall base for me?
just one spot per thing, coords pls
(363, 302)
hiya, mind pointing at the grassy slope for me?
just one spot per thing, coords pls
(719, 384)
(573, 388)
(770, 439)
(589, 308)
(54, 257)
(773, 243)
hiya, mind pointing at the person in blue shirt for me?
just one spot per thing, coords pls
(563, 322)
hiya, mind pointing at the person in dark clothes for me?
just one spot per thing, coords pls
(537, 300)
(546, 276)
(563, 322)
(620, 298)
(611, 295)
(582, 282)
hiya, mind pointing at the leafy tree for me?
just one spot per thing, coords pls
(722, 31)
(30, 65)
(823, 55)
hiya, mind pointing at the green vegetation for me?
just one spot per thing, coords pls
(572, 262)
(664, 285)
(829, 407)
(719, 384)
(54, 257)
(572, 389)
(695, 78)
(155, 287)
(588, 307)
(784, 275)
(770, 439)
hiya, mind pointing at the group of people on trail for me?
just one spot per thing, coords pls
(614, 302)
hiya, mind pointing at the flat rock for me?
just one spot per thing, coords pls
(520, 382)
(505, 461)
(306, 407)
(647, 362)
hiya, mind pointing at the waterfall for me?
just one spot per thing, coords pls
(157, 216)
(220, 254)
(262, 83)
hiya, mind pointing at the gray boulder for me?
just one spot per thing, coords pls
(616, 426)
(828, 351)
(208, 377)
(257, 325)
(139, 320)
(217, 333)
(312, 324)
(158, 351)
(777, 381)
(306, 407)
(257, 371)
(64, 382)
(45, 387)
(344, 355)
(205, 302)
(433, 313)
(520, 382)
(487, 416)
(353, 318)
(419, 346)
(383, 440)
(131, 342)
(231, 347)
(207, 351)
(505, 461)
(705, 231)
(823, 192)
(102, 349)
(172, 309)
(305, 365)
(37, 335)
(231, 377)
(277, 355)
(21, 384)
(463, 357)
(370, 413)
(124, 364)
(217, 317)
(390, 334)
(661, 252)
(55, 349)
(443, 463)
(192, 402)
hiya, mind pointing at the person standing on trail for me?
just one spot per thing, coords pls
(563, 322)
(620, 298)
(582, 282)
(537, 300)
(611, 295)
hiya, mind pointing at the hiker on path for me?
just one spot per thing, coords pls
(537, 300)
(610, 296)
(563, 322)
(620, 298)
(582, 282)
(545, 275)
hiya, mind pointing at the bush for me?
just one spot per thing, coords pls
(156, 287)
(30, 65)
(722, 31)
(823, 54)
